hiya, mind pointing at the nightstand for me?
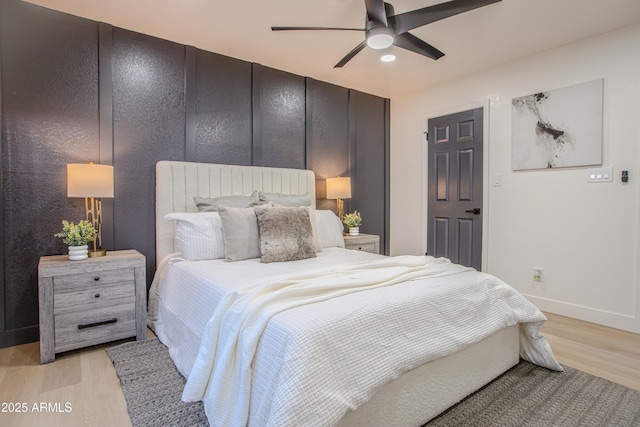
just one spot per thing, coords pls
(88, 302)
(363, 242)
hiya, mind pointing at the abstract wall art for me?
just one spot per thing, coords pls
(558, 128)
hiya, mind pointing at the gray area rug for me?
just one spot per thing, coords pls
(526, 395)
(152, 386)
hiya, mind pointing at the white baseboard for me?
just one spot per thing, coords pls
(588, 314)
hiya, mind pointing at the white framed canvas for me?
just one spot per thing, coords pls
(558, 128)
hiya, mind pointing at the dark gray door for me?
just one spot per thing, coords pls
(454, 206)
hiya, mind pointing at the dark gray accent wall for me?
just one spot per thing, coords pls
(148, 126)
(74, 90)
(49, 118)
(278, 118)
(2, 137)
(328, 149)
(369, 165)
(223, 119)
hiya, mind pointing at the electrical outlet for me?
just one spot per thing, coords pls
(537, 274)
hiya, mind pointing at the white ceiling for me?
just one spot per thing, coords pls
(472, 41)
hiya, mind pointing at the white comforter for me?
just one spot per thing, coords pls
(281, 355)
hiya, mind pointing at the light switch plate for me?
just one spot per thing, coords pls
(600, 174)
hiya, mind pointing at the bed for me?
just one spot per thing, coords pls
(383, 351)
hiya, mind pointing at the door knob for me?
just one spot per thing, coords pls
(475, 211)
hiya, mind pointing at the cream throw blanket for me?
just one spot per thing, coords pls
(223, 369)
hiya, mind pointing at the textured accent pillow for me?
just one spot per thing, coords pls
(240, 229)
(329, 228)
(281, 199)
(205, 204)
(198, 235)
(285, 234)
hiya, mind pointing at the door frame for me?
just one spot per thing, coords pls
(484, 104)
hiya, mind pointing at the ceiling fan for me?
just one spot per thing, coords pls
(384, 28)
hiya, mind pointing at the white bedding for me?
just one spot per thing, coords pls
(314, 362)
(183, 317)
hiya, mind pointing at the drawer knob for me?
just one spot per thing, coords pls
(97, 295)
(96, 278)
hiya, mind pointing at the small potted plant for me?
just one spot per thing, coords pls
(353, 221)
(77, 237)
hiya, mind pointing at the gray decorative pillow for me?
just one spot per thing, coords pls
(281, 199)
(285, 234)
(205, 204)
(240, 230)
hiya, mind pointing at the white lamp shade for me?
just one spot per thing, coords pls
(89, 180)
(339, 188)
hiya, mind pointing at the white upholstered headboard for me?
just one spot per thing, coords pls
(178, 182)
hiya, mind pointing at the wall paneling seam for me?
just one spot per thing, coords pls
(256, 116)
(387, 175)
(305, 165)
(308, 113)
(190, 103)
(105, 100)
(353, 134)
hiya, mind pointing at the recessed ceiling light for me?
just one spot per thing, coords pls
(388, 58)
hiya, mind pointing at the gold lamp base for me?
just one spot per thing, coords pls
(97, 254)
(340, 208)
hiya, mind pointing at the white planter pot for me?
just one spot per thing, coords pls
(77, 253)
(354, 231)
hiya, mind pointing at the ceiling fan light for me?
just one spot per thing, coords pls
(380, 38)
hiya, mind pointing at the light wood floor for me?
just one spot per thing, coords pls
(86, 380)
(599, 350)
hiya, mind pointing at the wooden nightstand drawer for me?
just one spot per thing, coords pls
(363, 242)
(88, 327)
(88, 279)
(366, 247)
(93, 297)
(91, 301)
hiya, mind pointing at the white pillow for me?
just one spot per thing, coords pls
(329, 228)
(198, 236)
(317, 243)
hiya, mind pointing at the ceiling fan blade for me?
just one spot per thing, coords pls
(376, 12)
(315, 28)
(350, 55)
(410, 42)
(417, 18)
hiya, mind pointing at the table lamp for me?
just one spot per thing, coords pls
(339, 188)
(92, 182)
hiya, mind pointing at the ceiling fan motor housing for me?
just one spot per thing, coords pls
(380, 37)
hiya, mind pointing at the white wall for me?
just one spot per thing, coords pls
(585, 236)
